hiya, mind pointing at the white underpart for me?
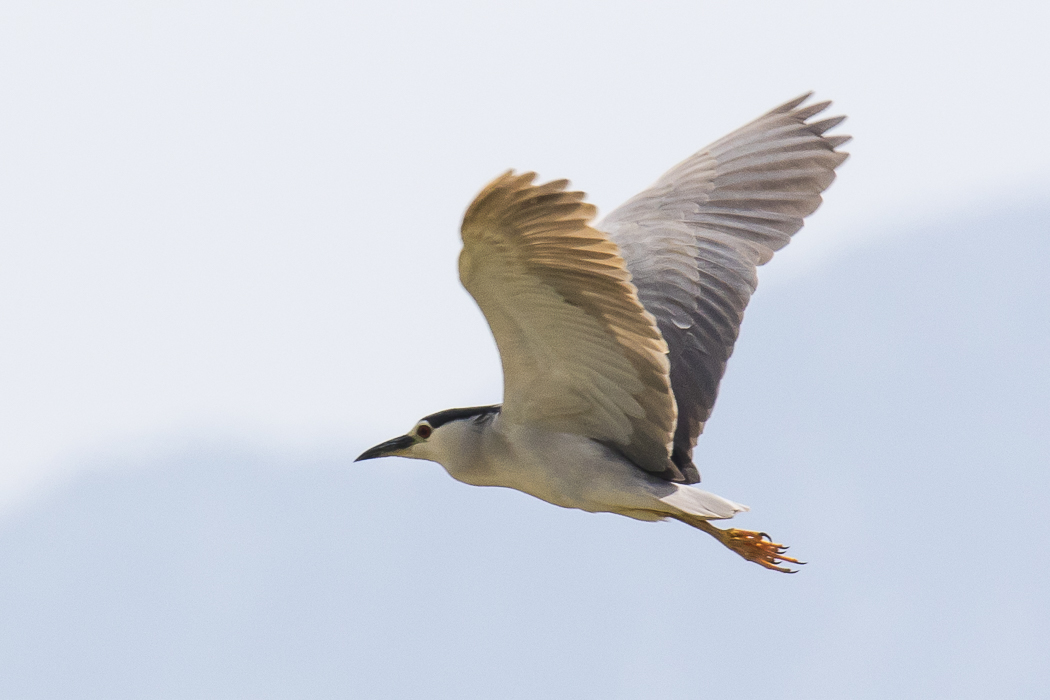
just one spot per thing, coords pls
(565, 469)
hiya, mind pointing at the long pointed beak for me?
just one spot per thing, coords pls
(390, 447)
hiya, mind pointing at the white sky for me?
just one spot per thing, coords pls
(241, 219)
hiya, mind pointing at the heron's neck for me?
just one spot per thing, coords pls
(468, 450)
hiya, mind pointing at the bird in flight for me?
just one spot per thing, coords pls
(614, 336)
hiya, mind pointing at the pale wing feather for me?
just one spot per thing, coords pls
(580, 354)
(693, 240)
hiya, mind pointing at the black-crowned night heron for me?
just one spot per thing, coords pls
(614, 337)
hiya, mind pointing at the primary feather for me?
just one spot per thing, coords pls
(579, 352)
(692, 243)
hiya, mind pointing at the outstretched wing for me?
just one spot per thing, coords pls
(693, 240)
(580, 354)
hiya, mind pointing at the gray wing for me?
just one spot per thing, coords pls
(579, 352)
(693, 240)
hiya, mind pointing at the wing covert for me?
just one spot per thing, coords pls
(692, 243)
(579, 352)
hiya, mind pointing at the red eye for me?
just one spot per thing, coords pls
(424, 431)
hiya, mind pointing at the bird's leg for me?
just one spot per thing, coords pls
(753, 546)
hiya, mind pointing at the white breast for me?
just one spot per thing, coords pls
(567, 470)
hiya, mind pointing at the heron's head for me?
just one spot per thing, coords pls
(437, 436)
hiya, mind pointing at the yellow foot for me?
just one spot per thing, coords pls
(759, 548)
(753, 546)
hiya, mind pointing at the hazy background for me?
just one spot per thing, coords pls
(227, 265)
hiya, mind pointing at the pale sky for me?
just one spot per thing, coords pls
(242, 219)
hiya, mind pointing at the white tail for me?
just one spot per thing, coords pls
(693, 501)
